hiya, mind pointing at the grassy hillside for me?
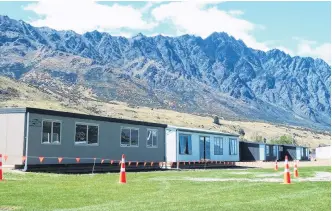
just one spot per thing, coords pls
(78, 99)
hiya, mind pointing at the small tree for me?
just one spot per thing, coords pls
(241, 132)
(216, 120)
(284, 139)
(257, 138)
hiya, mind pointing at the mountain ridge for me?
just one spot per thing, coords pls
(218, 75)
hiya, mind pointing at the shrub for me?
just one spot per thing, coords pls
(257, 138)
(241, 132)
(216, 120)
(284, 139)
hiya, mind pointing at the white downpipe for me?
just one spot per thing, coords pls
(176, 148)
(165, 145)
(26, 144)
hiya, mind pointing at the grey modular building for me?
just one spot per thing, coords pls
(34, 133)
(294, 152)
(254, 151)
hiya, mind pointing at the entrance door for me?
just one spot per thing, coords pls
(204, 143)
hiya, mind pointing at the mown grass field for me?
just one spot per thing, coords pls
(166, 191)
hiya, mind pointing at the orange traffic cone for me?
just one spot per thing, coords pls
(123, 171)
(276, 166)
(296, 173)
(286, 173)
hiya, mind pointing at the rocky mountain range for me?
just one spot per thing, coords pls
(218, 75)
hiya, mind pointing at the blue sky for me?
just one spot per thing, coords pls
(298, 28)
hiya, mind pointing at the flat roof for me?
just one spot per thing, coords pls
(289, 145)
(323, 145)
(186, 129)
(78, 116)
(251, 142)
(286, 145)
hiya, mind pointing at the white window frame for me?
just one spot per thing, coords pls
(221, 145)
(85, 143)
(302, 153)
(267, 150)
(275, 150)
(130, 128)
(236, 146)
(156, 146)
(42, 131)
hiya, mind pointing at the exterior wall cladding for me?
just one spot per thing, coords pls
(258, 151)
(12, 136)
(272, 156)
(302, 153)
(290, 151)
(199, 151)
(197, 148)
(108, 146)
(249, 151)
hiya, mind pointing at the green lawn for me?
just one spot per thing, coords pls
(171, 190)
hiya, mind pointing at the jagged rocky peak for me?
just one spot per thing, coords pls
(96, 35)
(223, 36)
(138, 36)
(276, 53)
(198, 73)
(4, 18)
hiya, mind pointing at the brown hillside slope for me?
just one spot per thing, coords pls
(14, 93)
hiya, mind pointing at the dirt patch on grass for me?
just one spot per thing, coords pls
(236, 169)
(243, 173)
(232, 179)
(7, 208)
(319, 176)
(16, 172)
(271, 165)
(278, 177)
(270, 175)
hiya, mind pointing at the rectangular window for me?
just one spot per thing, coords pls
(302, 152)
(92, 134)
(232, 146)
(307, 152)
(129, 137)
(218, 146)
(51, 132)
(267, 150)
(152, 138)
(185, 144)
(275, 151)
(86, 134)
